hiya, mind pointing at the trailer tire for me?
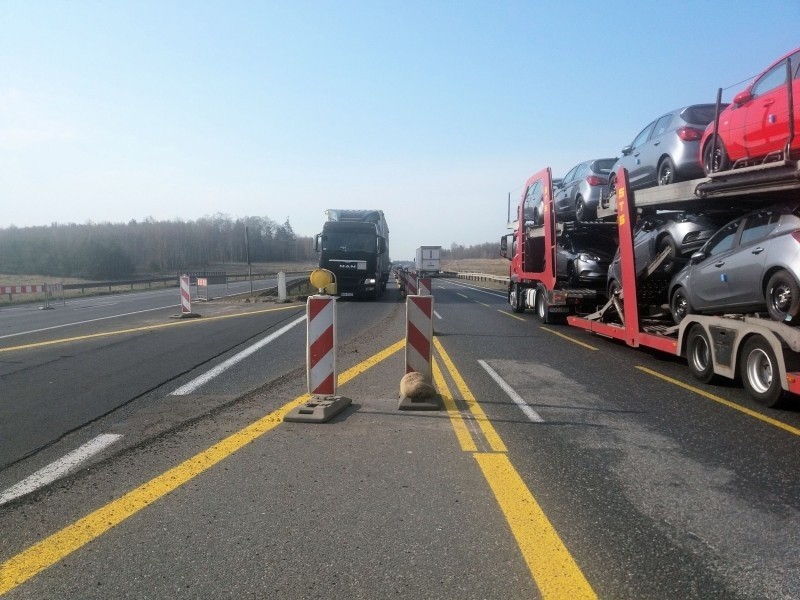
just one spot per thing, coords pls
(760, 373)
(698, 354)
(515, 299)
(783, 297)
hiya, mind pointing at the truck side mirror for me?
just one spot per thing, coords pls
(381, 245)
(317, 242)
(504, 247)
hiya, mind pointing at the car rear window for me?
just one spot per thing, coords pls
(700, 114)
(603, 165)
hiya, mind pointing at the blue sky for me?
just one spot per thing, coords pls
(430, 111)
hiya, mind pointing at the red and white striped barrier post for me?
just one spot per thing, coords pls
(411, 284)
(186, 296)
(419, 335)
(320, 357)
(321, 346)
(424, 286)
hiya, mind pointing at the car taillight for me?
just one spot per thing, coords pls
(796, 235)
(596, 180)
(689, 134)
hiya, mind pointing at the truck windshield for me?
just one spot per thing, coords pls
(344, 241)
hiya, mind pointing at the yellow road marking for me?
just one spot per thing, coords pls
(462, 433)
(508, 314)
(144, 328)
(495, 443)
(56, 547)
(554, 570)
(728, 403)
(569, 338)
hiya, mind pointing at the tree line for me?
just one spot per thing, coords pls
(459, 252)
(121, 250)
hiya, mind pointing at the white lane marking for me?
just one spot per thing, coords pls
(195, 383)
(59, 468)
(95, 305)
(87, 321)
(462, 295)
(477, 289)
(437, 315)
(518, 400)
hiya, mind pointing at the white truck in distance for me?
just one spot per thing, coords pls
(427, 261)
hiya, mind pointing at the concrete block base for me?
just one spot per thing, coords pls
(434, 403)
(318, 410)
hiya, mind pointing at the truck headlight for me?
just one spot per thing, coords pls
(370, 281)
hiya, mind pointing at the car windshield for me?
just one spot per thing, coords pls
(603, 165)
(701, 114)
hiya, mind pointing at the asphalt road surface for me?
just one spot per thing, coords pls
(561, 465)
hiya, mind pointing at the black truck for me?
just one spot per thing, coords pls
(356, 253)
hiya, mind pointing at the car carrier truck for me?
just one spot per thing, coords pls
(534, 281)
(763, 353)
(354, 246)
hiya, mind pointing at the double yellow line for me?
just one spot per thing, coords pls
(555, 572)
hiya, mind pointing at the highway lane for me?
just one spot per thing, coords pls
(57, 380)
(656, 491)
(19, 319)
(638, 474)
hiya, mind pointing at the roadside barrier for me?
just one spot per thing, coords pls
(321, 368)
(202, 288)
(424, 286)
(321, 350)
(186, 296)
(419, 393)
(419, 335)
(186, 299)
(48, 289)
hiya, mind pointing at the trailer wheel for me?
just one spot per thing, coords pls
(783, 297)
(718, 162)
(679, 305)
(760, 372)
(698, 354)
(515, 299)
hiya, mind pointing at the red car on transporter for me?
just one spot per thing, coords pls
(756, 125)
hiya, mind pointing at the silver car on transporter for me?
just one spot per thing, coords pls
(752, 264)
(667, 150)
(582, 189)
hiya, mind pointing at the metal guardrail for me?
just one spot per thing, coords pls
(477, 276)
(172, 279)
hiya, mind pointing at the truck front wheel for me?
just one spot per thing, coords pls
(760, 372)
(516, 298)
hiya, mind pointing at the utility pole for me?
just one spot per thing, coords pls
(249, 267)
